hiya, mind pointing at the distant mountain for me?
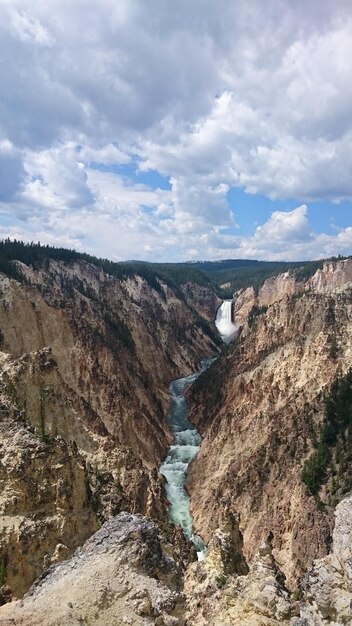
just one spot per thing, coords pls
(227, 264)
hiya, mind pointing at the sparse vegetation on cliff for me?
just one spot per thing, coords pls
(117, 330)
(333, 455)
(3, 570)
(239, 273)
(255, 312)
(37, 255)
(307, 270)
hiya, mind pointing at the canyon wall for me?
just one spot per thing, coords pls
(259, 410)
(85, 364)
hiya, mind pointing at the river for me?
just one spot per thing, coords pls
(185, 447)
(187, 440)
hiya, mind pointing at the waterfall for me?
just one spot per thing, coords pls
(224, 323)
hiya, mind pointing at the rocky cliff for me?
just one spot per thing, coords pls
(260, 409)
(224, 591)
(85, 363)
(203, 299)
(127, 573)
(130, 572)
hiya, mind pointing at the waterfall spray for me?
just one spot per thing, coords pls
(224, 323)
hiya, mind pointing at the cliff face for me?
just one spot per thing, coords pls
(82, 433)
(116, 343)
(259, 409)
(219, 596)
(45, 503)
(203, 299)
(85, 363)
(334, 276)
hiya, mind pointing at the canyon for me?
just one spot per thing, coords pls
(86, 362)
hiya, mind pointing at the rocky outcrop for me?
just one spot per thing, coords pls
(127, 573)
(130, 572)
(335, 276)
(259, 408)
(219, 595)
(85, 363)
(258, 596)
(116, 343)
(45, 502)
(327, 587)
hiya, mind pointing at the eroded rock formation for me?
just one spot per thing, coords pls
(127, 573)
(84, 367)
(130, 572)
(327, 587)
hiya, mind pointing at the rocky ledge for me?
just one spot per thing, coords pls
(126, 573)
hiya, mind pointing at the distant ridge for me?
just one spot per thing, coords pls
(224, 276)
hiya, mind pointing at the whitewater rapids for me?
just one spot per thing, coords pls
(185, 447)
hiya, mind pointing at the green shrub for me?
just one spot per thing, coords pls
(3, 570)
(333, 348)
(221, 580)
(314, 469)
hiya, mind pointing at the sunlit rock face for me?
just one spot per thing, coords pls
(255, 407)
(257, 595)
(203, 299)
(328, 585)
(256, 410)
(131, 572)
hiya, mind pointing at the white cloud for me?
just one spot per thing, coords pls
(104, 155)
(282, 227)
(29, 29)
(284, 236)
(56, 179)
(11, 171)
(250, 96)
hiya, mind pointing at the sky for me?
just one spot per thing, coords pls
(171, 131)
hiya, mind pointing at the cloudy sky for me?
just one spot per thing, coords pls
(193, 129)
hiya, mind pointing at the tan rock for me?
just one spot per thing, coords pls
(256, 409)
(327, 587)
(256, 596)
(117, 578)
